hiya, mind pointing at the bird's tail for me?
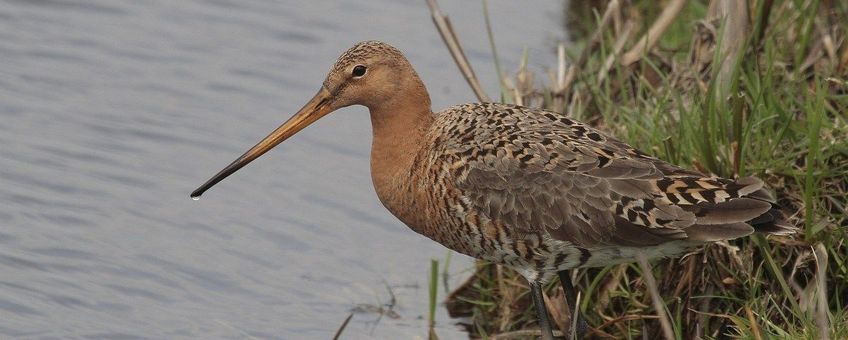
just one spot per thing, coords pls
(738, 208)
(773, 221)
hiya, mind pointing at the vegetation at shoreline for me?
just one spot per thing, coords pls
(760, 89)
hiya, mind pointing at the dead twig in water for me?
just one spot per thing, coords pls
(449, 37)
(342, 327)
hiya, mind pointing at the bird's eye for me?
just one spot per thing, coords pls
(359, 71)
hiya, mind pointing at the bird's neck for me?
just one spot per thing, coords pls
(400, 133)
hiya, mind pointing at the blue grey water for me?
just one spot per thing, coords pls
(112, 111)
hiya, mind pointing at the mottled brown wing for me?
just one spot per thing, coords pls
(538, 171)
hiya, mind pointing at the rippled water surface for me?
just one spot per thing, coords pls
(113, 111)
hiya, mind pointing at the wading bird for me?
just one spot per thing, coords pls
(528, 188)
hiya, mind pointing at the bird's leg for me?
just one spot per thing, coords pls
(541, 311)
(571, 301)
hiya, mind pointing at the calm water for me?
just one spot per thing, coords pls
(113, 111)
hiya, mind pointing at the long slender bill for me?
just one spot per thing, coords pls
(313, 110)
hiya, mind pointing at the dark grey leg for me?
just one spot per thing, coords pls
(541, 311)
(571, 301)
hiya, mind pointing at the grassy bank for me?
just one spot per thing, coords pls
(759, 90)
